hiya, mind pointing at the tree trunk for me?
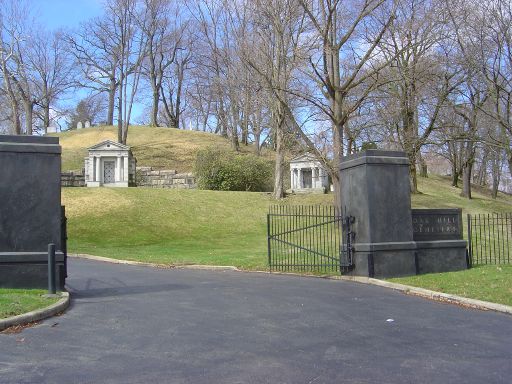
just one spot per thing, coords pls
(120, 114)
(29, 111)
(257, 148)
(495, 185)
(181, 76)
(455, 175)
(111, 102)
(413, 177)
(496, 173)
(423, 167)
(338, 145)
(481, 178)
(46, 116)
(154, 106)
(16, 117)
(466, 181)
(279, 167)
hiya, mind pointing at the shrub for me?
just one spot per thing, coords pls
(228, 171)
(368, 145)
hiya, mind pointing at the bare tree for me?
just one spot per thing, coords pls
(273, 52)
(53, 70)
(8, 37)
(18, 74)
(493, 31)
(130, 49)
(346, 57)
(164, 32)
(96, 54)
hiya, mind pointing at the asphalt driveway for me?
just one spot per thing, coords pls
(142, 325)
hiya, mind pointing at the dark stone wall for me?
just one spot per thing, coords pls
(30, 210)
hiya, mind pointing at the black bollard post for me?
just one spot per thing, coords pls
(51, 269)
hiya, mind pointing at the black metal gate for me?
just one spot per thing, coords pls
(490, 238)
(309, 239)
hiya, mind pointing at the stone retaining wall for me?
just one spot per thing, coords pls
(148, 177)
(72, 179)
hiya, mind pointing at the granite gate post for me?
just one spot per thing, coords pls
(30, 211)
(375, 190)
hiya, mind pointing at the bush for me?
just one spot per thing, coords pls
(228, 171)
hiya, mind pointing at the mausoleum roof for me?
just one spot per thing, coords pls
(304, 157)
(109, 145)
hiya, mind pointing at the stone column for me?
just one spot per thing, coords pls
(375, 191)
(98, 169)
(118, 169)
(91, 163)
(299, 178)
(125, 169)
(292, 176)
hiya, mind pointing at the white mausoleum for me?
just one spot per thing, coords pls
(308, 174)
(110, 164)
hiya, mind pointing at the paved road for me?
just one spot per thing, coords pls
(142, 325)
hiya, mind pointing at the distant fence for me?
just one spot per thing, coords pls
(490, 238)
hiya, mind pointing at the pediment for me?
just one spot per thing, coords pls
(109, 145)
(307, 157)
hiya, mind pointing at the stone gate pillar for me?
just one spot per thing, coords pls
(30, 211)
(375, 191)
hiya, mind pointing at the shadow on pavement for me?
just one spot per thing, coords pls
(78, 293)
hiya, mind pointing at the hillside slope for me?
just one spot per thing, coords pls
(161, 148)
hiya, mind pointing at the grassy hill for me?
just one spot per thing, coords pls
(162, 148)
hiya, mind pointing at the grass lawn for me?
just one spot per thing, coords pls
(17, 301)
(173, 226)
(490, 283)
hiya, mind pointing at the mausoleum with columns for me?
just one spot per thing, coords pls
(110, 164)
(308, 174)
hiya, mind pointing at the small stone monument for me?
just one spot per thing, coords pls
(79, 125)
(87, 124)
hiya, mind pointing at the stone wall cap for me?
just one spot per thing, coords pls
(376, 153)
(29, 139)
(19, 147)
(372, 158)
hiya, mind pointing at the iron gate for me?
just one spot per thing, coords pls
(490, 238)
(309, 239)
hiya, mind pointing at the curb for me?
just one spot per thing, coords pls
(153, 265)
(431, 295)
(406, 289)
(38, 314)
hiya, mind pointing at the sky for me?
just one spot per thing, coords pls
(56, 14)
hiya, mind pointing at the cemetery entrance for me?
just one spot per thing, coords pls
(309, 239)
